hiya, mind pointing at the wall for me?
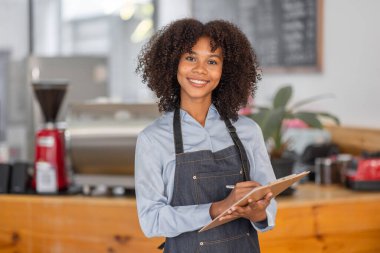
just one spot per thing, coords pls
(14, 12)
(351, 71)
(350, 58)
(169, 10)
(14, 39)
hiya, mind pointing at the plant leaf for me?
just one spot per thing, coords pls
(259, 117)
(282, 96)
(272, 123)
(328, 115)
(289, 115)
(312, 99)
(309, 118)
(261, 108)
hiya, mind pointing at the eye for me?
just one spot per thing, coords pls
(190, 58)
(212, 62)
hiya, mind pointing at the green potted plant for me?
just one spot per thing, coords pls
(271, 120)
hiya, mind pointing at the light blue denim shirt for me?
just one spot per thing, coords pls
(155, 166)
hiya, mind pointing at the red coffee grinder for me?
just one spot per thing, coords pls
(49, 165)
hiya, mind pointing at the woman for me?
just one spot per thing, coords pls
(202, 75)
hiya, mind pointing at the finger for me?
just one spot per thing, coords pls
(229, 216)
(263, 203)
(240, 191)
(251, 184)
(231, 210)
(253, 205)
(241, 211)
(266, 200)
(268, 196)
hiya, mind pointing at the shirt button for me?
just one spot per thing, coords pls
(201, 243)
(194, 177)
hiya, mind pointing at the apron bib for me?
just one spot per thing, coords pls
(201, 177)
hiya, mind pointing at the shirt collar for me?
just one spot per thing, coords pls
(212, 112)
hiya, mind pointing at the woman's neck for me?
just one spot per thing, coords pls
(197, 110)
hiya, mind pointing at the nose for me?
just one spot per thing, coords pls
(200, 68)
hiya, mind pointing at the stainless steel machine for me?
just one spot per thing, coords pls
(101, 139)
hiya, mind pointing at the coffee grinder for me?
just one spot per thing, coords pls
(49, 165)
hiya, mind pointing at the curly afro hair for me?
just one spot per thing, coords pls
(159, 58)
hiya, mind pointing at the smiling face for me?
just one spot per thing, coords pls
(199, 72)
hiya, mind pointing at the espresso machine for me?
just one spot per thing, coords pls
(49, 164)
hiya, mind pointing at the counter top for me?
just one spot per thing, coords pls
(317, 194)
(305, 194)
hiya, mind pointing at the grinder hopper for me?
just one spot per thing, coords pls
(50, 94)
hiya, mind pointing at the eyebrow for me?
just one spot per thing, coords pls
(211, 55)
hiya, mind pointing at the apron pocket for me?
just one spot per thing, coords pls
(211, 186)
(240, 243)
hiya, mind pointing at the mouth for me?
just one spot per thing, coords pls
(197, 82)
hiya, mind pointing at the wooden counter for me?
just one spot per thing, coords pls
(325, 219)
(315, 219)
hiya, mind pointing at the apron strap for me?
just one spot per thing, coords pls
(231, 129)
(243, 154)
(177, 132)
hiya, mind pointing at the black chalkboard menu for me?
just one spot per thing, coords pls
(286, 34)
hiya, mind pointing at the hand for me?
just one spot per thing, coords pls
(241, 189)
(255, 211)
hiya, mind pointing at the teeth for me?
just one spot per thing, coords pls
(198, 81)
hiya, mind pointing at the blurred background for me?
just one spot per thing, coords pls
(328, 48)
(43, 39)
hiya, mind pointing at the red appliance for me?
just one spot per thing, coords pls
(49, 164)
(366, 176)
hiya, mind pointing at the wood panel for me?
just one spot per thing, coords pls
(78, 224)
(355, 140)
(349, 217)
(325, 219)
(315, 219)
(363, 242)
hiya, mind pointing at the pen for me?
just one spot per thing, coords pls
(230, 186)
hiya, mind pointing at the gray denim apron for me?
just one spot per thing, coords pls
(201, 177)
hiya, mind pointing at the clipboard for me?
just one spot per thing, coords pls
(257, 193)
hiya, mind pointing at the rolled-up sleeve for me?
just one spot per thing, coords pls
(263, 173)
(156, 216)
